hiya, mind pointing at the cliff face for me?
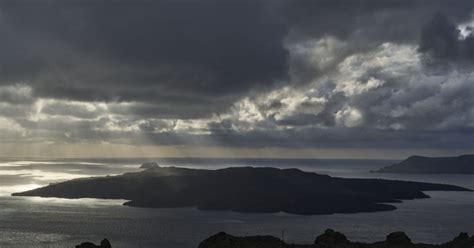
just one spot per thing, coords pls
(329, 239)
(417, 164)
(244, 189)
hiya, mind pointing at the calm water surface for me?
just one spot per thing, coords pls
(40, 222)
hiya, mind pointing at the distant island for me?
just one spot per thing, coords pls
(244, 189)
(417, 164)
(329, 239)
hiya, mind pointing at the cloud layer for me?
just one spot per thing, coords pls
(324, 74)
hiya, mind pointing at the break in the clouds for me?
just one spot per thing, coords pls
(237, 73)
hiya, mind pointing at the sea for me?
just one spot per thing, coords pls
(54, 222)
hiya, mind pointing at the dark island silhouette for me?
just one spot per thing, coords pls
(244, 189)
(417, 164)
(330, 239)
(103, 244)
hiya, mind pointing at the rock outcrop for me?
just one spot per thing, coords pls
(223, 239)
(329, 239)
(398, 238)
(103, 244)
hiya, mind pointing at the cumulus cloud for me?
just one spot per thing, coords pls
(349, 117)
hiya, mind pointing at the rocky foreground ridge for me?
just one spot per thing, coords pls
(330, 239)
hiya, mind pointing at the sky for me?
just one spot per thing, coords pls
(236, 78)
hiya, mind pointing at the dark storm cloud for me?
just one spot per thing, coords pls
(392, 20)
(441, 42)
(143, 71)
(141, 50)
(365, 24)
(171, 106)
(321, 138)
(162, 51)
(89, 50)
(62, 126)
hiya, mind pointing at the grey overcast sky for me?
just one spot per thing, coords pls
(295, 78)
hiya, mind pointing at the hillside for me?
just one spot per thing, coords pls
(417, 164)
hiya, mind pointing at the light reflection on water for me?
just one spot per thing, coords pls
(8, 190)
(10, 238)
(55, 222)
(44, 176)
(18, 176)
(88, 202)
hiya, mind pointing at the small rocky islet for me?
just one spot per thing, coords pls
(105, 243)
